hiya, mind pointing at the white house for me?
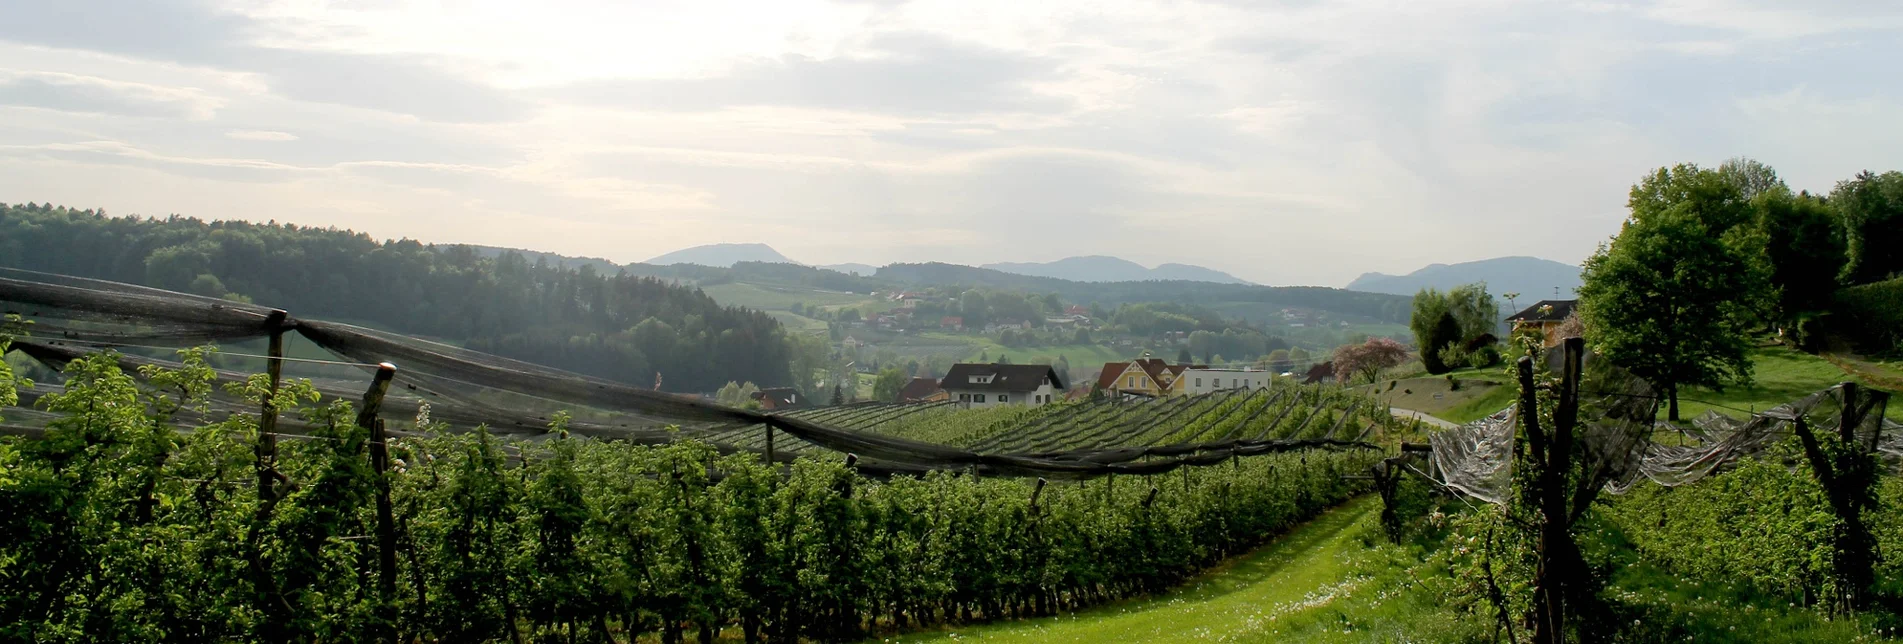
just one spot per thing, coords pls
(985, 385)
(1204, 380)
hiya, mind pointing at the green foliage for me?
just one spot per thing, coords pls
(1436, 327)
(887, 386)
(10, 383)
(1803, 240)
(1872, 314)
(1871, 206)
(735, 394)
(119, 528)
(1674, 297)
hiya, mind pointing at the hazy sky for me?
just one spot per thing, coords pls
(1302, 141)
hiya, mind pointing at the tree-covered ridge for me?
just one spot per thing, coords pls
(622, 326)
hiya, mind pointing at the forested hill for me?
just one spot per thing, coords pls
(1376, 306)
(620, 326)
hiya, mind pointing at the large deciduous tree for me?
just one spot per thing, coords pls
(1871, 207)
(1675, 296)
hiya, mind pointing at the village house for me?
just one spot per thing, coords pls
(780, 399)
(1142, 377)
(1203, 380)
(1545, 317)
(987, 385)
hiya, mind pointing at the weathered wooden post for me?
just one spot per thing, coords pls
(386, 519)
(277, 611)
(1849, 478)
(769, 444)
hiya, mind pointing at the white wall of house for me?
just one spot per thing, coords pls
(1204, 381)
(1043, 395)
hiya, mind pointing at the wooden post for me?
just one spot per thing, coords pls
(277, 611)
(386, 519)
(1035, 492)
(769, 445)
(1849, 477)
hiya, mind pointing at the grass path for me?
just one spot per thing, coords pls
(1302, 571)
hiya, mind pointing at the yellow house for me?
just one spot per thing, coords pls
(1142, 377)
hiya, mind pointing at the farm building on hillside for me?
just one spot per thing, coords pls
(985, 385)
(1546, 317)
(780, 399)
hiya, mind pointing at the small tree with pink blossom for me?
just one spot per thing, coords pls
(1366, 360)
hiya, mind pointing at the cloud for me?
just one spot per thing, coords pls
(85, 94)
(195, 33)
(260, 135)
(905, 74)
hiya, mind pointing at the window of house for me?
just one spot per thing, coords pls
(964, 397)
(1199, 382)
(1004, 398)
(977, 397)
(1232, 383)
(1133, 382)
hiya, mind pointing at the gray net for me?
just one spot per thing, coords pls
(1623, 442)
(74, 316)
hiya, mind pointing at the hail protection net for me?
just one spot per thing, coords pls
(71, 317)
(1623, 443)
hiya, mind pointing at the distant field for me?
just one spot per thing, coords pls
(1079, 355)
(768, 297)
(798, 323)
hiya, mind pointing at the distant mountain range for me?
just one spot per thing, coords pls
(1093, 268)
(722, 255)
(1531, 277)
(1100, 268)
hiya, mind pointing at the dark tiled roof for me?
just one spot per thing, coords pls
(1545, 311)
(1005, 377)
(918, 389)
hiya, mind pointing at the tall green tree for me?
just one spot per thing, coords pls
(1474, 309)
(1871, 206)
(1750, 177)
(1431, 334)
(1674, 297)
(1803, 241)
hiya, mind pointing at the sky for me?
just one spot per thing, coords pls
(1285, 142)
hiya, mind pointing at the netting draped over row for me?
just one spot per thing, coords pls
(72, 316)
(1624, 443)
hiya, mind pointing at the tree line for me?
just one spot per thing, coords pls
(639, 330)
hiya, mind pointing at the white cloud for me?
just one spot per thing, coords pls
(260, 135)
